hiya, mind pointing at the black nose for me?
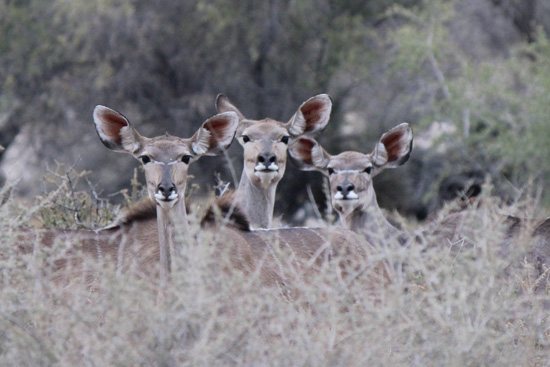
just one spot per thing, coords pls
(345, 188)
(266, 158)
(166, 189)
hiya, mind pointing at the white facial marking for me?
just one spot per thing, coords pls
(273, 167)
(352, 195)
(166, 164)
(260, 167)
(349, 171)
(160, 197)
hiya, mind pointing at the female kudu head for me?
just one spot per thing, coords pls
(350, 173)
(165, 158)
(265, 144)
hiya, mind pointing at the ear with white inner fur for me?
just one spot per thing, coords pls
(306, 154)
(216, 134)
(115, 131)
(394, 147)
(312, 117)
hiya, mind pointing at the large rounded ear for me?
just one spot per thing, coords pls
(223, 105)
(306, 154)
(312, 117)
(216, 134)
(115, 131)
(394, 147)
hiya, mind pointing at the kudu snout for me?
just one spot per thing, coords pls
(267, 158)
(167, 190)
(266, 161)
(345, 190)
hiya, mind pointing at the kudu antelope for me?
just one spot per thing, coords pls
(352, 195)
(151, 233)
(350, 175)
(265, 144)
(166, 159)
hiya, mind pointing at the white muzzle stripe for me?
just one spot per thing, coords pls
(349, 196)
(260, 167)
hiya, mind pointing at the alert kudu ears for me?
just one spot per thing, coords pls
(166, 161)
(311, 118)
(265, 144)
(392, 150)
(350, 173)
(165, 158)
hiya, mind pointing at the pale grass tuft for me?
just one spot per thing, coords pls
(469, 298)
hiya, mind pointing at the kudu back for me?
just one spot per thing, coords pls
(151, 233)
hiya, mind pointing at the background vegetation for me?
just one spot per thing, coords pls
(472, 77)
(480, 68)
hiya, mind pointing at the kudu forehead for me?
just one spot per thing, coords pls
(350, 161)
(263, 129)
(166, 148)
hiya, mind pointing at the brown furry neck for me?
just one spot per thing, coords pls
(224, 208)
(143, 210)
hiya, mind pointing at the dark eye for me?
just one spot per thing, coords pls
(144, 159)
(285, 138)
(186, 158)
(368, 169)
(246, 139)
(330, 170)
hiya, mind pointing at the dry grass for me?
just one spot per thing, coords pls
(459, 301)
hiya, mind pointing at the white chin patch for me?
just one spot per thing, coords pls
(166, 202)
(266, 177)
